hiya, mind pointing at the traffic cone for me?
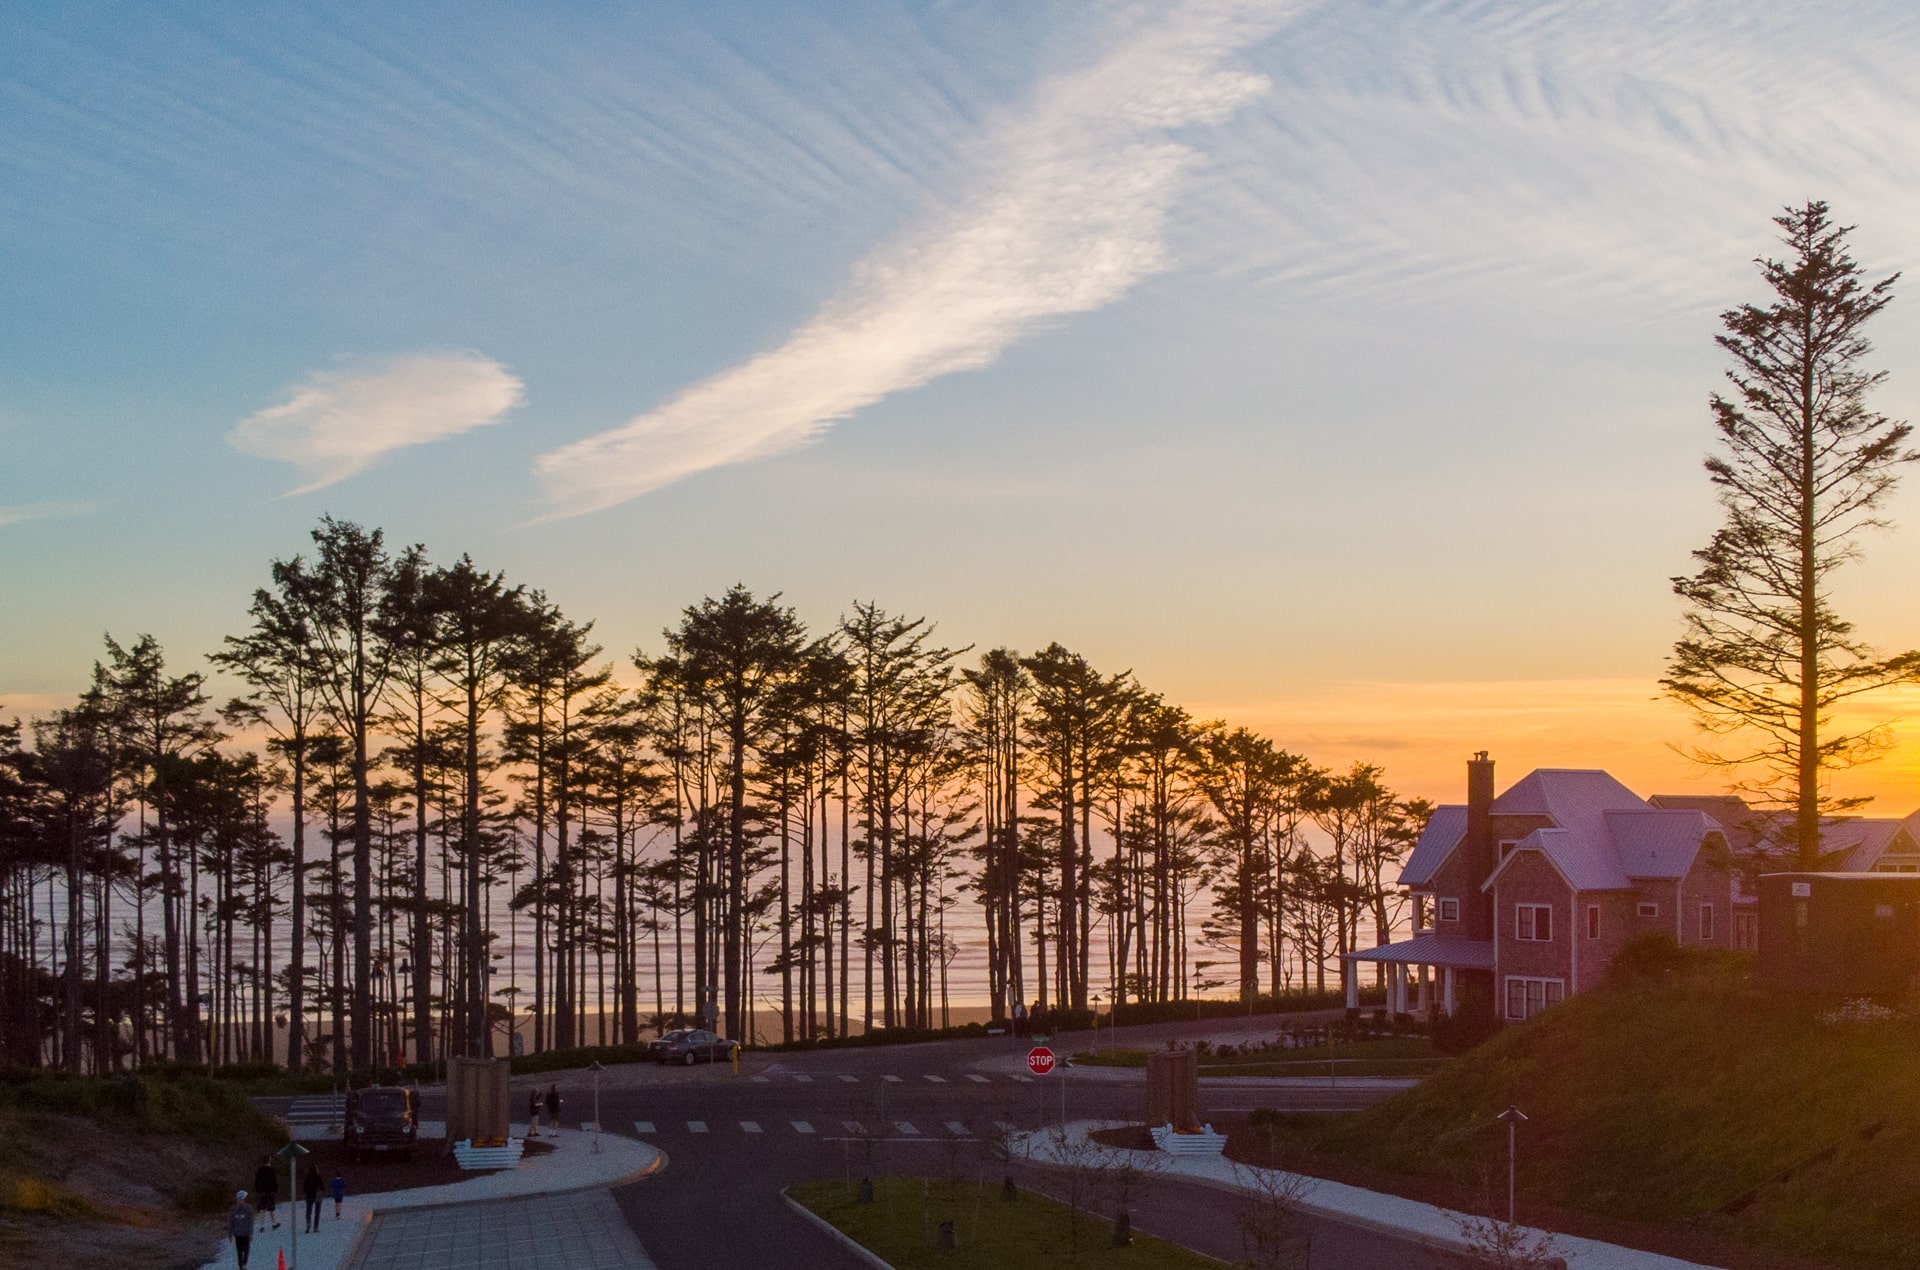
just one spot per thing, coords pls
(282, 1260)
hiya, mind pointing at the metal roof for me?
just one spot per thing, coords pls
(1574, 856)
(1433, 950)
(1445, 828)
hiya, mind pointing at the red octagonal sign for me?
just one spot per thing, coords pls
(1039, 1060)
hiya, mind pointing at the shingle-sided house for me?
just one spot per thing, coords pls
(1523, 899)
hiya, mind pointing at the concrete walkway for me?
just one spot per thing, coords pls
(571, 1166)
(1389, 1214)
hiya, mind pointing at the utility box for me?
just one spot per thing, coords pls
(1173, 1089)
(1841, 934)
(477, 1100)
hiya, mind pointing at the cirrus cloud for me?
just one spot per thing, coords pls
(335, 423)
(1066, 213)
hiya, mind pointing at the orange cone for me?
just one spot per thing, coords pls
(283, 1260)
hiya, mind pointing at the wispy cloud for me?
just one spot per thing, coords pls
(15, 513)
(1068, 210)
(335, 423)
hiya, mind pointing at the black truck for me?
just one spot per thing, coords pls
(381, 1118)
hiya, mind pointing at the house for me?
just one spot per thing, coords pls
(1848, 844)
(1844, 934)
(1523, 898)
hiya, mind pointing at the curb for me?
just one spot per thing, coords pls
(838, 1235)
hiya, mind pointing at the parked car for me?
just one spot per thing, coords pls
(381, 1118)
(692, 1045)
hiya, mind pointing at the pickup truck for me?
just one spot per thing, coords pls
(381, 1118)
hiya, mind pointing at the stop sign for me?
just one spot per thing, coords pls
(1039, 1060)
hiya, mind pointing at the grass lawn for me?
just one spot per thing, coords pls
(1691, 1097)
(901, 1224)
(1391, 1056)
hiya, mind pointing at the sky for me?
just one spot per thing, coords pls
(1340, 369)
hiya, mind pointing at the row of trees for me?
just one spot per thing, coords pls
(424, 765)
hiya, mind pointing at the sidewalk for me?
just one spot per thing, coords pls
(1388, 1214)
(571, 1166)
(1016, 1065)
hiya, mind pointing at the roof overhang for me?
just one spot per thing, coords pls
(1431, 950)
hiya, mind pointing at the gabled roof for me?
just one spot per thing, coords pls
(1445, 828)
(1852, 843)
(1862, 841)
(1658, 843)
(1573, 856)
(1573, 798)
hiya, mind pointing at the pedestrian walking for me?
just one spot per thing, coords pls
(553, 1106)
(1037, 1019)
(1019, 1018)
(266, 1194)
(313, 1188)
(533, 1113)
(240, 1228)
(339, 1193)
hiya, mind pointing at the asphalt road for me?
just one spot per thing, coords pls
(735, 1140)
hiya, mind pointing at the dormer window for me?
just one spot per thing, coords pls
(1449, 909)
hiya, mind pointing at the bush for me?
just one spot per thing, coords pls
(1471, 1023)
(1652, 957)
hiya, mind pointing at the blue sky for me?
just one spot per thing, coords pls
(1278, 351)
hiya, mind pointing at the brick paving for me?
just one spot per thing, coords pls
(580, 1230)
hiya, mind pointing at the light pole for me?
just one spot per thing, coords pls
(1096, 1023)
(1514, 1118)
(291, 1153)
(597, 1069)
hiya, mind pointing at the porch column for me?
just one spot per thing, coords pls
(1423, 999)
(1352, 977)
(1397, 990)
(1446, 991)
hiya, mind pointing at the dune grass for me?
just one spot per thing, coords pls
(901, 1225)
(1696, 1097)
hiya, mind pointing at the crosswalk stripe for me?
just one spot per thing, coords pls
(696, 1126)
(935, 1080)
(1025, 1080)
(749, 1126)
(801, 1126)
(760, 1080)
(805, 1080)
(956, 1127)
(851, 1080)
(851, 1126)
(905, 1130)
(894, 1079)
(643, 1126)
(976, 1078)
(1003, 1126)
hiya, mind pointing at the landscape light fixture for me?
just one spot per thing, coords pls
(1513, 1118)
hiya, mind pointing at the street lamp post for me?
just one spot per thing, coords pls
(1513, 1118)
(1096, 1023)
(291, 1153)
(597, 1069)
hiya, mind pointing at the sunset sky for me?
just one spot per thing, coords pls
(1340, 369)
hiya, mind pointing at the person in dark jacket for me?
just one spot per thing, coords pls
(266, 1195)
(313, 1189)
(339, 1193)
(553, 1106)
(240, 1227)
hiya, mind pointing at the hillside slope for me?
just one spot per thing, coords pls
(1686, 1096)
(124, 1173)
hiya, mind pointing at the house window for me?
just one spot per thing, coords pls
(1533, 922)
(1897, 868)
(1449, 910)
(1648, 909)
(1706, 923)
(1746, 930)
(1527, 997)
(1593, 921)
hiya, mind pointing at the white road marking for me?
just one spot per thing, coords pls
(805, 1080)
(1025, 1080)
(760, 1080)
(643, 1126)
(851, 1126)
(976, 1078)
(935, 1080)
(749, 1126)
(801, 1126)
(894, 1079)
(905, 1130)
(957, 1128)
(851, 1080)
(1003, 1126)
(696, 1126)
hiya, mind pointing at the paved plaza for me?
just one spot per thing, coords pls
(580, 1230)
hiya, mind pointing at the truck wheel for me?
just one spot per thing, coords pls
(689, 1058)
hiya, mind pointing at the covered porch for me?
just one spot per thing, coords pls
(1414, 993)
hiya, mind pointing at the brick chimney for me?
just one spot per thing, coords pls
(1476, 910)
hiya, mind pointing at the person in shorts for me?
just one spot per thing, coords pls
(266, 1188)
